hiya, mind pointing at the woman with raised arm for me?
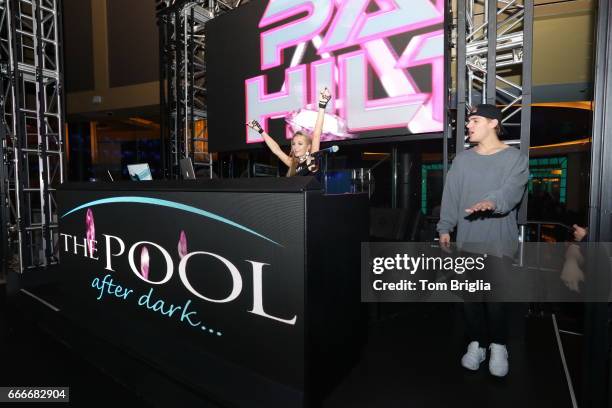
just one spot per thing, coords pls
(299, 160)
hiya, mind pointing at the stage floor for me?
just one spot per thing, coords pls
(411, 359)
(31, 357)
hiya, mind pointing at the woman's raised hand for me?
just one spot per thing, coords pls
(324, 98)
(255, 126)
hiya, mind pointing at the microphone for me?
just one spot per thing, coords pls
(331, 149)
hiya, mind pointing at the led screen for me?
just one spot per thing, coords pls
(383, 60)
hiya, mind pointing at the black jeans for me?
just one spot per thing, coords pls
(486, 322)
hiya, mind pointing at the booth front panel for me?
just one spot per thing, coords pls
(209, 286)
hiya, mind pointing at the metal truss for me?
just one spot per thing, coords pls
(214, 6)
(31, 128)
(183, 80)
(5, 130)
(494, 54)
(600, 208)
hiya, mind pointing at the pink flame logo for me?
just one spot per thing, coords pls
(91, 229)
(144, 262)
(182, 245)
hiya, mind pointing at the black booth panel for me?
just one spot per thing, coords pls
(336, 324)
(258, 355)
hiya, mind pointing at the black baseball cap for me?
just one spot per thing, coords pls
(487, 111)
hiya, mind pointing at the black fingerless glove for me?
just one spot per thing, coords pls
(323, 102)
(258, 127)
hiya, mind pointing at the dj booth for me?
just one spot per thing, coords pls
(245, 290)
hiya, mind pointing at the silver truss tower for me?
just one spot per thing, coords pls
(31, 128)
(183, 80)
(494, 55)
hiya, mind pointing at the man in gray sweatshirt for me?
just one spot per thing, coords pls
(483, 190)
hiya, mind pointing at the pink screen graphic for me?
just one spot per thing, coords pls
(352, 43)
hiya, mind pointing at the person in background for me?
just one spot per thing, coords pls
(572, 273)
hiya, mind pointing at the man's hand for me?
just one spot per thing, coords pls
(444, 239)
(572, 275)
(485, 205)
(445, 243)
(579, 232)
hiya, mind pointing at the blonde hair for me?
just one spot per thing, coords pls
(294, 160)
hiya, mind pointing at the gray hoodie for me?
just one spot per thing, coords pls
(500, 177)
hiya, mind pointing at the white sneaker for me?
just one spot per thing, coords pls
(498, 360)
(473, 356)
